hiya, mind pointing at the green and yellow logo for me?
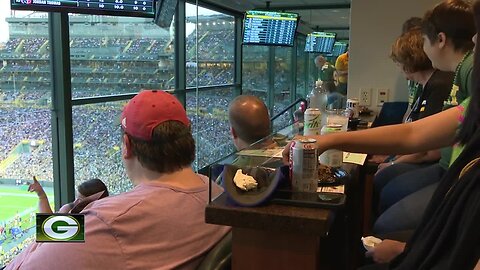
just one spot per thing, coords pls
(60, 228)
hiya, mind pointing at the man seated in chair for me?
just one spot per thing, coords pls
(249, 123)
(160, 224)
(249, 120)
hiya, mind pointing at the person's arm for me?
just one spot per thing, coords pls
(342, 72)
(477, 267)
(386, 251)
(426, 134)
(66, 208)
(43, 203)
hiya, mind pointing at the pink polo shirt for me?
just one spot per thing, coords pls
(154, 226)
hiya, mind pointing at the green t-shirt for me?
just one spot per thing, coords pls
(450, 154)
(461, 90)
(326, 73)
(462, 86)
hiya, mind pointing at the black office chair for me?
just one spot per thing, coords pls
(391, 113)
(220, 256)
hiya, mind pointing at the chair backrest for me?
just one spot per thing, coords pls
(391, 113)
(220, 256)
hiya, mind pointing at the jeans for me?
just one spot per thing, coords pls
(407, 213)
(385, 176)
(408, 183)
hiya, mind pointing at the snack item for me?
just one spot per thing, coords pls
(325, 174)
(243, 181)
(370, 242)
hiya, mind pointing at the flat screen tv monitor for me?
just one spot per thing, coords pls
(269, 28)
(132, 8)
(339, 48)
(320, 42)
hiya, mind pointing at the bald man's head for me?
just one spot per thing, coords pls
(320, 61)
(249, 118)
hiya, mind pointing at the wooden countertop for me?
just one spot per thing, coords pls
(270, 217)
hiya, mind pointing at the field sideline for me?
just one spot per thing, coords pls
(16, 199)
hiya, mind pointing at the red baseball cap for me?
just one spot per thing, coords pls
(148, 109)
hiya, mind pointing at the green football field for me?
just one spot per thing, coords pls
(16, 199)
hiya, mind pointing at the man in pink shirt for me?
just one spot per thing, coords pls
(157, 225)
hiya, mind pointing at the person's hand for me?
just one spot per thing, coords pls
(286, 150)
(386, 251)
(36, 187)
(384, 165)
(321, 145)
(286, 153)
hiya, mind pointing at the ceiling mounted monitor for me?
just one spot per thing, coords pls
(339, 48)
(269, 28)
(320, 42)
(132, 8)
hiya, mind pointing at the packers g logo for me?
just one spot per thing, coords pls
(60, 228)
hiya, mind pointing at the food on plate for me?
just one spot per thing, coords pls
(243, 181)
(326, 174)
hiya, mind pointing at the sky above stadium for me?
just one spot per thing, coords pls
(4, 13)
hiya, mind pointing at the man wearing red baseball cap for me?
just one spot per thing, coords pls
(160, 224)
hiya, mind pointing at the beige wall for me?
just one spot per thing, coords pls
(374, 25)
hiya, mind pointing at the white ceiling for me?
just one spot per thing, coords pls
(314, 14)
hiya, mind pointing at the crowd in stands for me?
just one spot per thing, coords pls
(7, 256)
(97, 138)
(212, 45)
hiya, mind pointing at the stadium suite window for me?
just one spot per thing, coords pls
(117, 55)
(210, 43)
(301, 57)
(313, 71)
(282, 85)
(209, 117)
(97, 145)
(25, 129)
(254, 71)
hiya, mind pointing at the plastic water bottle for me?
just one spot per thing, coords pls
(318, 99)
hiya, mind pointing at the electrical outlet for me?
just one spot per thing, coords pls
(365, 97)
(382, 96)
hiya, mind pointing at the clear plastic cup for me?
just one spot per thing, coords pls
(338, 117)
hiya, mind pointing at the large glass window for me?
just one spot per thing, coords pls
(208, 111)
(255, 71)
(97, 145)
(110, 56)
(25, 129)
(301, 62)
(210, 43)
(115, 55)
(282, 85)
(312, 71)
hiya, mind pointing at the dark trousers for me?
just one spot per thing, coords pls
(403, 184)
